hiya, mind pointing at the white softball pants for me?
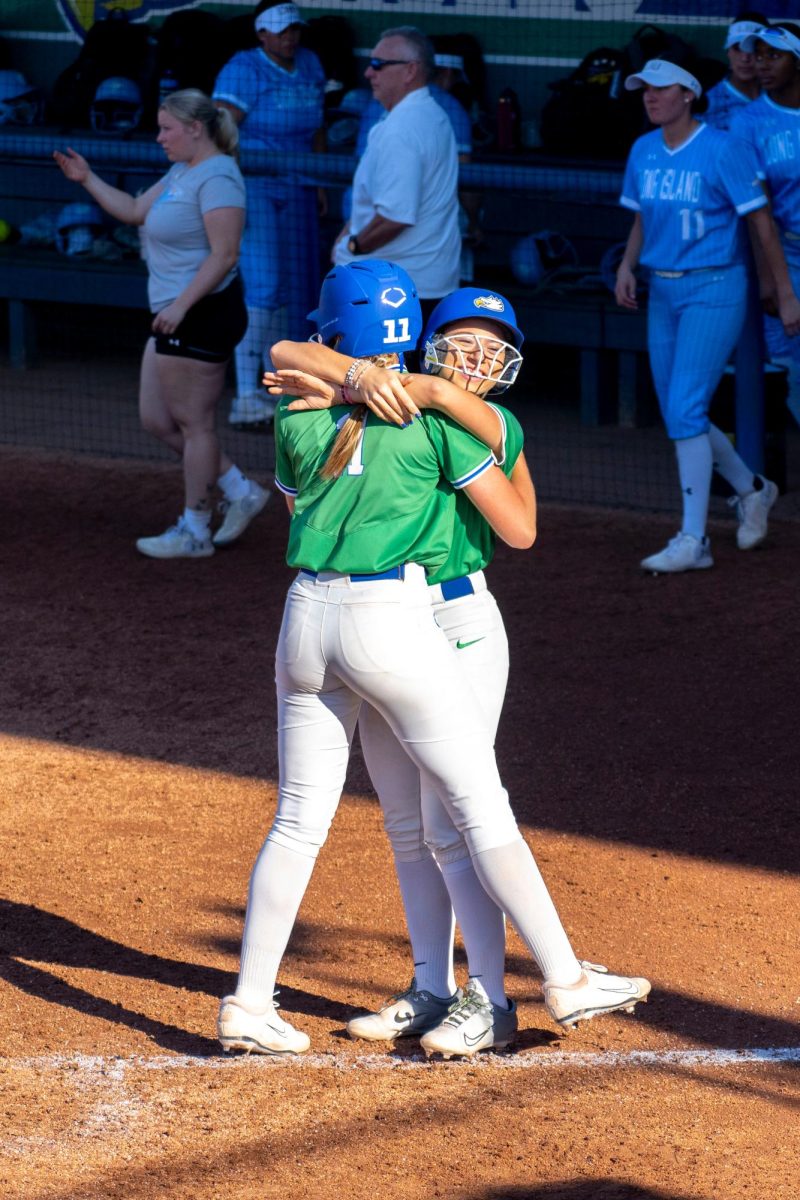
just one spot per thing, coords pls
(341, 643)
(474, 630)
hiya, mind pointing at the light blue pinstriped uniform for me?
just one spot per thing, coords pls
(724, 101)
(773, 131)
(690, 200)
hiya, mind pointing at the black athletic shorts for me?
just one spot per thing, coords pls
(211, 328)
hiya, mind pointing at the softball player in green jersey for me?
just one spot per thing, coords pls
(358, 625)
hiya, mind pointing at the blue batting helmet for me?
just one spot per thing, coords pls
(117, 106)
(535, 257)
(372, 307)
(471, 303)
(20, 101)
(76, 225)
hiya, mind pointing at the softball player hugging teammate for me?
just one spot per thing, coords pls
(689, 185)
(370, 520)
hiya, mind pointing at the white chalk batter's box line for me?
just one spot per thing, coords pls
(112, 1067)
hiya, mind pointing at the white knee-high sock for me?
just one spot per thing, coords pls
(277, 886)
(730, 466)
(483, 928)
(511, 877)
(694, 469)
(249, 354)
(430, 922)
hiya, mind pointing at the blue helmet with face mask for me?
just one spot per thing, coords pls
(117, 106)
(465, 304)
(368, 308)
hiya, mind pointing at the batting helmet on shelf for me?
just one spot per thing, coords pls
(76, 227)
(20, 101)
(439, 349)
(535, 257)
(117, 106)
(371, 307)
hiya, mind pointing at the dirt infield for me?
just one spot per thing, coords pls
(650, 746)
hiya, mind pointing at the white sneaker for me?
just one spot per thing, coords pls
(176, 542)
(596, 992)
(239, 514)
(248, 412)
(472, 1024)
(405, 1015)
(239, 1028)
(753, 514)
(683, 553)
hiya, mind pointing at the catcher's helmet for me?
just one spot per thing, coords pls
(117, 106)
(372, 307)
(536, 256)
(439, 349)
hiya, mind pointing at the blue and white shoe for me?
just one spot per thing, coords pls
(472, 1024)
(407, 1014)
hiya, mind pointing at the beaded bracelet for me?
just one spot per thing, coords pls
(354, 373)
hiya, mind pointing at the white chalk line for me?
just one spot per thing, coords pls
(115, 1068)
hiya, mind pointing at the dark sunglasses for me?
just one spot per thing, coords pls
(378, 64)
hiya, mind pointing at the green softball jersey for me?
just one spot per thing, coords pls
(386, 507)
(472, 546)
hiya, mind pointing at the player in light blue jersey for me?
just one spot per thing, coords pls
(741, 84)
(771, 125)
(689, 185)
(275, 93)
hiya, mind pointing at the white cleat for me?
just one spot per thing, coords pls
(408, 1014)
(251, 412)
(239, 1028)
(752, 512)
(472, 1024)
(595, 993)
(239, 514)
(684, 552)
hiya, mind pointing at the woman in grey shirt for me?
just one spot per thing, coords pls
(192, 227)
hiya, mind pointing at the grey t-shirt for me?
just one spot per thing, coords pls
(175, 239)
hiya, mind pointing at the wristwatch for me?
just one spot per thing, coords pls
(353, 246)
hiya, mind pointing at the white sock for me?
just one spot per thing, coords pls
(431, 924)
(277, 886)
(730, 466)
(483, 928)
(249, 354)
(233, 484)
(694, 469)
(511, 877)
(197, 521)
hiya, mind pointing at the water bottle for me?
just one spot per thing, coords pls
(508, 121)
(167, 84)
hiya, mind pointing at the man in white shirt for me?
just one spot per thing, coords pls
(405, 189)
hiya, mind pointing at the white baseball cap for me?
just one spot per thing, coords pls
(775, 36)
(739, 30)
(278, 18)
(454, 61)
(660, 73)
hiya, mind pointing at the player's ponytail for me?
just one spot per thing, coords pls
(345, 444)
(347, 437)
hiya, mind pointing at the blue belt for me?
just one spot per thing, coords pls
(452, 589)
(392, 573)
